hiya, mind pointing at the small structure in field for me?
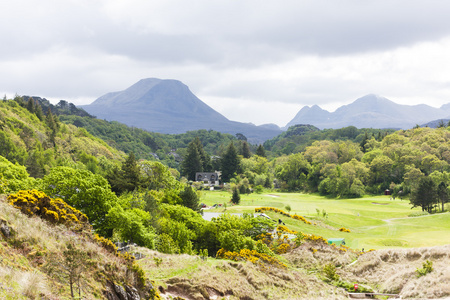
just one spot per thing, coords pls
(336, 241)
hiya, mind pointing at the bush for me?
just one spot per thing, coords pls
(330, 272)
(288, 208)
(236, 198)
(259, 189)
(427, 267)
(252, 256)
(343, 229)
(53, 210)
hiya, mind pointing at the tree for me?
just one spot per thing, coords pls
(71, 265)
(156, 176)
(363, 143)
(246, 153)
(90, 193)
(260, 151)
(230, 163)
(52, 124)
(190, 198)
(127, 178)
(31, 106)
(236, 198)
(294, 172)
(380, 168)
(38, 111)
(204, 157)
(132, 225)
(425, 194)
(241, 137)
(192, 162)
(13, 177)
(442, 192)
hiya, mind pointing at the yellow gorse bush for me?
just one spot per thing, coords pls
(314, 238)
(252, 256)
(111, 247)
(343, 229)
(283, 228)
(105, 243)
(277, 210)
(56, 211)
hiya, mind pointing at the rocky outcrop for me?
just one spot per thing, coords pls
(6, 229)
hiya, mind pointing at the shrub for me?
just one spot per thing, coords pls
(330, 272)
(105, 243)
(343, 229)
(259, 189)
(427, 267)
(277, 210)
(236, 198)
(55, 211)
(251, 255)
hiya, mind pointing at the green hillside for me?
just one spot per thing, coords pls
(40, 141)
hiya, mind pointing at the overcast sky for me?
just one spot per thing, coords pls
(253, 61)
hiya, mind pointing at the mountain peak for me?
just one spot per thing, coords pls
(168, 106)
(370, 111)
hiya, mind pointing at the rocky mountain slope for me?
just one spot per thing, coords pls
(168, 106)
(370, 111)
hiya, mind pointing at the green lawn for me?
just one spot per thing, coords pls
(375, 222)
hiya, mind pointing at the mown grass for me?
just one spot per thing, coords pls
(375, 222)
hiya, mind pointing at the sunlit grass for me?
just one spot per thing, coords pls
(375, 221)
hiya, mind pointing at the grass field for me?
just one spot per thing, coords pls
(375, 222)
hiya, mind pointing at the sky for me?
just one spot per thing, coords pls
(251, 60)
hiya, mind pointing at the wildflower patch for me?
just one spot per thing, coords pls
(251, 255)
(277, 210)
(56, 211)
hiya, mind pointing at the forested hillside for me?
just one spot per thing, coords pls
(296, 138)
(169, 148)
(39, 141)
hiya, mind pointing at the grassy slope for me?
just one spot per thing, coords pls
(375, 222)
(192, 278)
(26, 257)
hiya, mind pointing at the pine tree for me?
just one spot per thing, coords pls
(363, 142)
(204, 157)
(236, 198)
(190, 198)
(51, 123)
(246, 153)
(131, 172)
(260, 151)
(31, 107)
(38, 112)
(127, 178)
(230, 163)
(442, 192)
(192, 162)
(425, 194)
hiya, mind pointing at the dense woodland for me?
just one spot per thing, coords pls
(136, 185)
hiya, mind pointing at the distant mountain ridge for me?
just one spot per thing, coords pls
(370, 111)
(168, 106)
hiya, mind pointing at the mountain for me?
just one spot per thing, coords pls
(168, 106)
(370, 111)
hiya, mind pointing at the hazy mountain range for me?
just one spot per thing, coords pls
(370, 111)
(168, 106)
